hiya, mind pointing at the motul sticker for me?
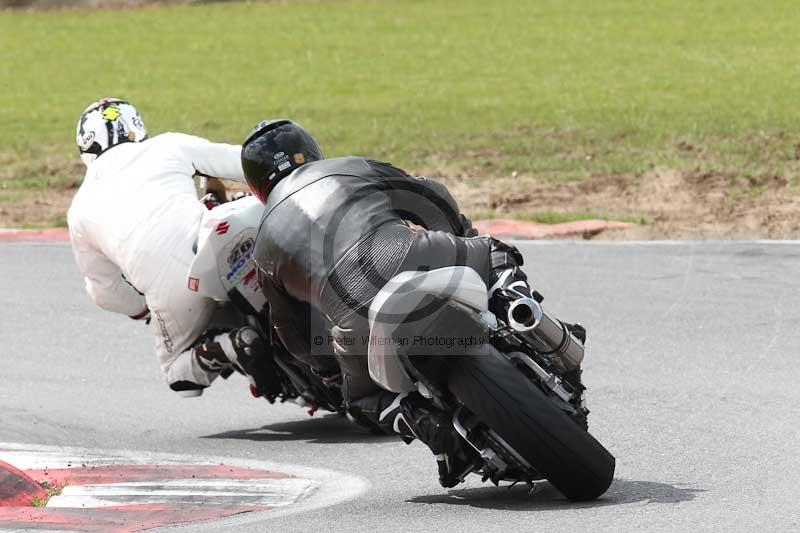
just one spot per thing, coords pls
(242, 249)
(223, 228)
(194, 284)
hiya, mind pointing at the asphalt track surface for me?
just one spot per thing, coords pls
(692, 369)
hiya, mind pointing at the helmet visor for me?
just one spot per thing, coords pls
(257, 176)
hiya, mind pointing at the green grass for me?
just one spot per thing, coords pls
(57, 222)
(560, 90)
(51, 490)
(39, 502)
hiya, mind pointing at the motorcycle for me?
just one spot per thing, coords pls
(509, 380)
(224, 270)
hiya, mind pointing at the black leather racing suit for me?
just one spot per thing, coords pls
(332, 234)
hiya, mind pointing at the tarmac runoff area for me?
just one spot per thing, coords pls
(691, 371)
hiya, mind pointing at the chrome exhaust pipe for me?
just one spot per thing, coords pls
(561, 343)
(547, 334)
(524, 314)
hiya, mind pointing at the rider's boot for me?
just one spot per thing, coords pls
(412, 416)
(244, 351)
(216, 352)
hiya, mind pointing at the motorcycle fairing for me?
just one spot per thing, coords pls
(403, 295)
(224, 257)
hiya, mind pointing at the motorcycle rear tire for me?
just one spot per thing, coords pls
(492, 388)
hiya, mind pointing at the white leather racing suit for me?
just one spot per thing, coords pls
(133, 225)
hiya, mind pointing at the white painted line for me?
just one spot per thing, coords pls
(713, 242)
(270, 492)
(52, 458)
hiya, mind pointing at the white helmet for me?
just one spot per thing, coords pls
(106, 123)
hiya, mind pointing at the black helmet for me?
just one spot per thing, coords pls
(272, 151)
